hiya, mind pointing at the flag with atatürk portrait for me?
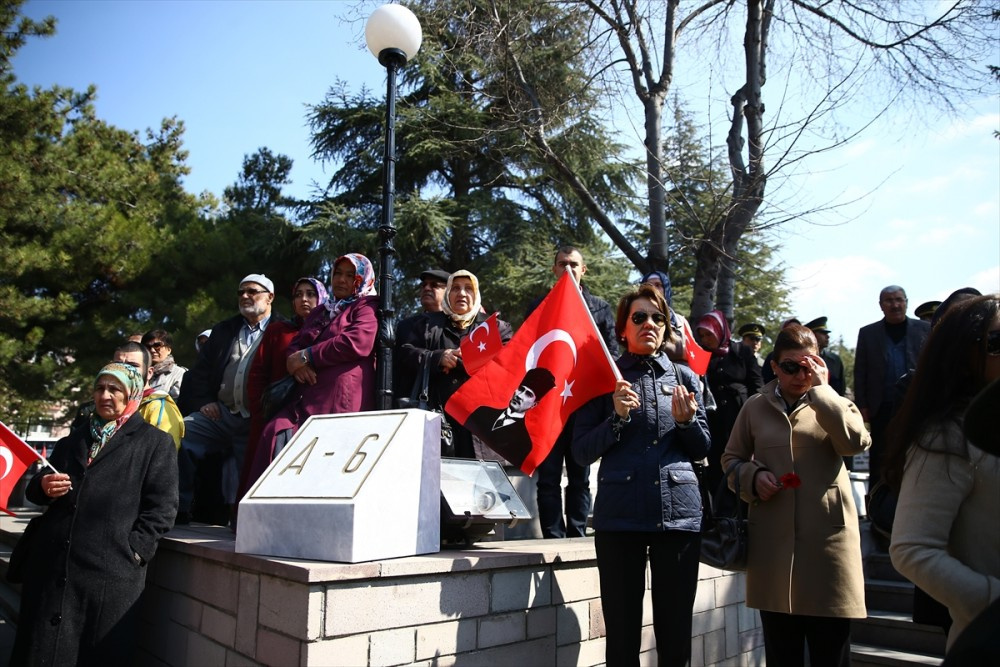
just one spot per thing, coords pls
(559, 337)
(15, 457)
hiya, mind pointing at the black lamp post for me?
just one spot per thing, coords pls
(393, 35)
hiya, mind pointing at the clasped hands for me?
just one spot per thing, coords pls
(683, 404)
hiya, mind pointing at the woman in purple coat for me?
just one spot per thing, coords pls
(332, 358)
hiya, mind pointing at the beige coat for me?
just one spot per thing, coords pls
(946, 534)
(805, 543)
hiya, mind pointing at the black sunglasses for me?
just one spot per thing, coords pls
(791, 367)
(155, 346)
(639, 318)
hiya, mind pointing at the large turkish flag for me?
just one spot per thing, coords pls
(559, 337)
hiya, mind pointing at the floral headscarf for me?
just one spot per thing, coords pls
(129, 378)
(321, 294)
(462, 321)
(364, 282)
(716, 322)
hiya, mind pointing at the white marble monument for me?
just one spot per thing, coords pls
(349, 488)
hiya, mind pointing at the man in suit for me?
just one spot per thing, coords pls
(504, 430)
(886, 351)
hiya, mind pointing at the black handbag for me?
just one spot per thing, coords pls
(419, 399)
(725, 539)
(881, 506)
(276, 396)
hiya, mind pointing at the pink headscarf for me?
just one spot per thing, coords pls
(364, 282)
(716, 322)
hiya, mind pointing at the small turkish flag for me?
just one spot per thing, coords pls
(697, 356)
(557, 361)
(15, 457)
(481, 345)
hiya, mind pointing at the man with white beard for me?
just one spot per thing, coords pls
(214, 398)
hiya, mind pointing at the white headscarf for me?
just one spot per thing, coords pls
(462, 321)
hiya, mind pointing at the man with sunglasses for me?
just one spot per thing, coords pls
(549, 476)
(886, 351)
(214, 400)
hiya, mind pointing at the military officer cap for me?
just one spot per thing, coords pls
(819, 324)
(927, 309)
(752, 329)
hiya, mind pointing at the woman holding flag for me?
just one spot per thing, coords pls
(435, 339)
(647, 433)
(86, 562)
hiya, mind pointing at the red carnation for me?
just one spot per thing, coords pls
(790, 481)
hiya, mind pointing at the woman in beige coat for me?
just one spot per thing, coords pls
(804, 570)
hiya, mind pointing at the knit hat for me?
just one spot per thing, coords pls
(261, 280)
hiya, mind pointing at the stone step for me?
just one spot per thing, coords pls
(896, 631)
(888, 595)
(866, 655)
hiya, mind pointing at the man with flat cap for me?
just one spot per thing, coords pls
(214, 400)
(504, 430)
(834, 364)
(752, 335)
(432, 285)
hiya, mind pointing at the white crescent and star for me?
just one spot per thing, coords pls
(8, 460)
(485, 326)
(535, 352)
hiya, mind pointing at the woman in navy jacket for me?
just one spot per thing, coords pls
(647, 433)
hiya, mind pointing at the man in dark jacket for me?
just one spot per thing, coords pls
(549, 476)
(886, 351)
(214, 400)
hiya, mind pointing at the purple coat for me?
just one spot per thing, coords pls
(343, 354)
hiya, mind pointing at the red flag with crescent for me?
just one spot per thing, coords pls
(518, 403)
(15, 457)
(482, 344)
(697, 356)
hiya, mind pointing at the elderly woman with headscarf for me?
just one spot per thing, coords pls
(733, 376)
(435, 340)
(270, 364)
(85, 564)
(332, 358)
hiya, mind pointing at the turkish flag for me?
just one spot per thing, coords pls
(481, 344)
(697, 356)
(519, 402)
(15, 457)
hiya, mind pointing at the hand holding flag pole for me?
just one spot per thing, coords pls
(16, 456)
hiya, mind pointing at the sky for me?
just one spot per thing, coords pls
(241, 74)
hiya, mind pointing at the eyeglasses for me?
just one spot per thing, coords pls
(791, 367)
(158, 345)
(639, 318)
(251, 292)
(993, 343)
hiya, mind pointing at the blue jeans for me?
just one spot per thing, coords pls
(549, 490)
(203, 437)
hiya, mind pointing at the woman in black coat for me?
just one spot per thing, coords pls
(435, 339)
(85, 567)
(733, 376)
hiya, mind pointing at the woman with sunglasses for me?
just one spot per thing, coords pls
(733, 376)
(167, 374)
(804, 567)
(647, 433)
(946, 535)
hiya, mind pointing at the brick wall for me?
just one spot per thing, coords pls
(531, 602)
